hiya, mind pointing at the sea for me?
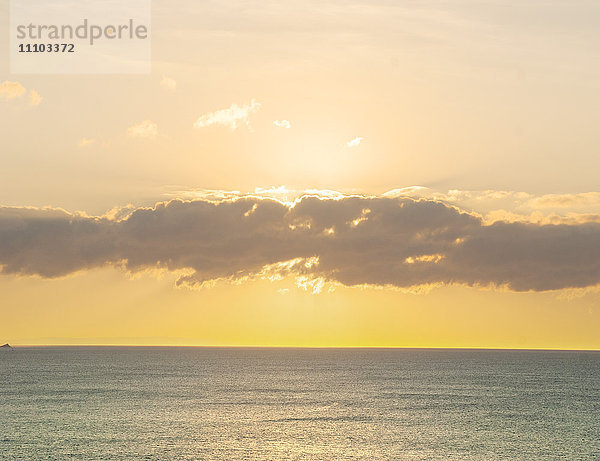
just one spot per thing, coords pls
(185, 403)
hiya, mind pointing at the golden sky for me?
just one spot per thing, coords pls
(312, 174)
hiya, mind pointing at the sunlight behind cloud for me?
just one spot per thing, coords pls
(352, 240)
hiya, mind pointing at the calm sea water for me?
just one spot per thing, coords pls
(206, 403)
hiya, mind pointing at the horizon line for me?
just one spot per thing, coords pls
(533, 349)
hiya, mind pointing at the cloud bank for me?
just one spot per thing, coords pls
(396, 242)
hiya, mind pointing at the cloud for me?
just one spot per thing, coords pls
(145, 129)
(84, 142)
(282, 123)
(34, 98)
(405, 191)
(537, 217)
(168, 83)
(231, 117)
(513, 206)
(354, 241)
(11, 90)
(14, 90)
(279, 193)
(355, 142)
(565, 200)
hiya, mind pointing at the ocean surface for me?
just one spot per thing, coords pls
(61, 403)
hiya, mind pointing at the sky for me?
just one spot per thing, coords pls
(331, 173)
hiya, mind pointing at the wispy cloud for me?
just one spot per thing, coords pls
(565, 200)
(354, 241)
(355, 142)
(514, 206)
(282, 123)
(84, 142)
(145, 129)
(168, 83)
(231, 117)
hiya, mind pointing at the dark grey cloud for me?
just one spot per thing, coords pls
(358, 240)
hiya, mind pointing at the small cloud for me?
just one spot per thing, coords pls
(230, 117)
(11, 90)
(168, 83)
(83, 142)
(145, 129)
(283, 291)
(34, 98)
(282, 123)
(14, 90)
(355, 142)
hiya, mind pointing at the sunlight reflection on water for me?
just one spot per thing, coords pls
(208, 403)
